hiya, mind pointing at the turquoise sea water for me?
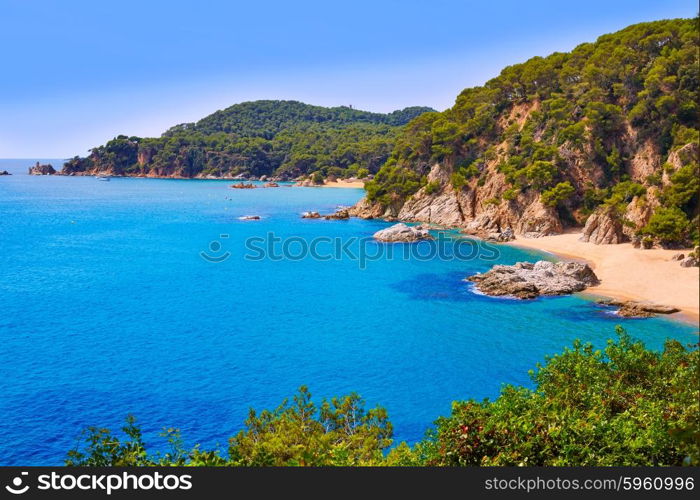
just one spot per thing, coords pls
(108, 308)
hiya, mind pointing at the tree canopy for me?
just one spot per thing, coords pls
(282, 138)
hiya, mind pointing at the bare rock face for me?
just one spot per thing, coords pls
(402, 233)
(604, 227)
(476, 209)
(500, 237)
(526, 280)
(365, 209)
(538, 220)
(633, 309)
(684, 155)
(40, 169)
(639, 212)
(340, 214)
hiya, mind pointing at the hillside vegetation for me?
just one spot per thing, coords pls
(281, 138)
(612, 124)
(625, 405)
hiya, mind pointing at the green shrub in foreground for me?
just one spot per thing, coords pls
(624, 405)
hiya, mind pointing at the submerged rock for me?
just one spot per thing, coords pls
(526, 280)
(402, 233)
(249, 217)
(271, 185)
(634, 309)
(678, 256)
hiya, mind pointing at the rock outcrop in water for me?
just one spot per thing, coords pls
(526, 280)
(634, 309)
(4, 172)
(340, 214)
(402, 233)
(243, 185)
(39, 169)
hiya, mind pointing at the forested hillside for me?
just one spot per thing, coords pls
(280, 138)
(610, 128)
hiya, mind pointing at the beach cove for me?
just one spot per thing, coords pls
(110, 309)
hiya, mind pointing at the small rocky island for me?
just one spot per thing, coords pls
(402, 233)
(39, 169)
(526, 280)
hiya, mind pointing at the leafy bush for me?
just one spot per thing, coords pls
(684, 188)
(669, 225)
(432, 187)
(622, 193)
(625, 405)
(559, 193)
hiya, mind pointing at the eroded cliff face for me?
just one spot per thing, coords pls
(474, 209)
(480, 208)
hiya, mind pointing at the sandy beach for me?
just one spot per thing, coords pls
(629, 273)
(341, 183)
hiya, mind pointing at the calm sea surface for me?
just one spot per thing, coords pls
(108, 308)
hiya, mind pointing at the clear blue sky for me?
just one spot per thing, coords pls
(76, 73)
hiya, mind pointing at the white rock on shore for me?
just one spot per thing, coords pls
(402, 233)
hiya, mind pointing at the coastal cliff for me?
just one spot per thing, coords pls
(604, 137)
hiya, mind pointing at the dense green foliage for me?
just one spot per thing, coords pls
(576, 118)
(283, 138)
(625, 405)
